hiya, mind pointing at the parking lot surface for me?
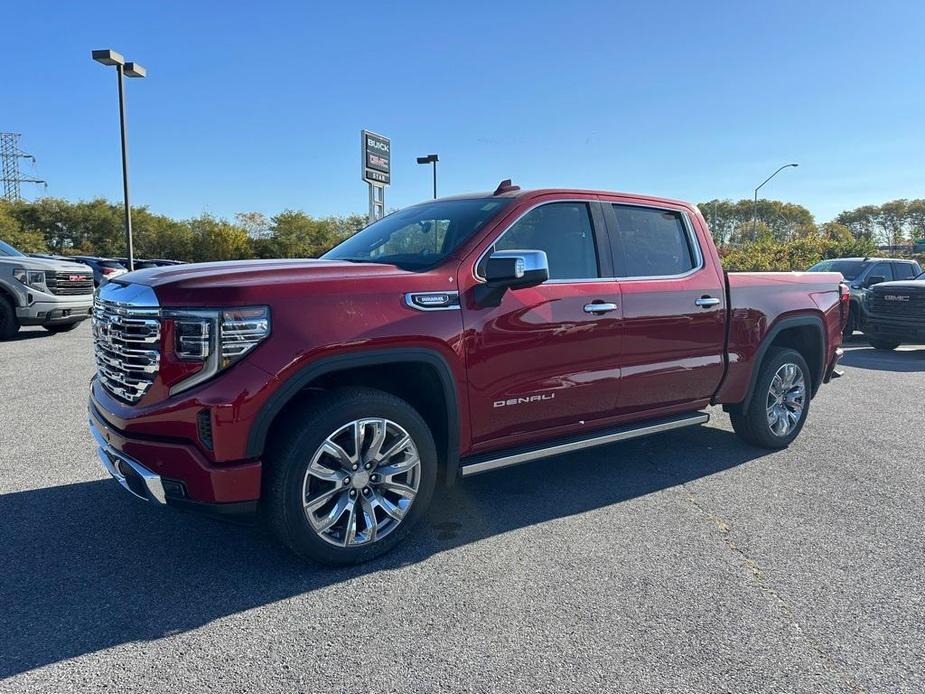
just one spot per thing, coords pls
(687, 562)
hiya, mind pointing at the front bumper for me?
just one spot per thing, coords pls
(134, 477)
(901, 330)
(64, 309)
(170, 472)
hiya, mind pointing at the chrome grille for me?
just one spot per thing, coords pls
(126, 341)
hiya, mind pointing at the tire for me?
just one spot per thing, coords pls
(885, 345)
(759, 427)
(61, 327)
(311, 433)
(9, 325)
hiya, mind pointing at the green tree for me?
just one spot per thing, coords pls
(11, 232)
(729, 221)
(218, 239)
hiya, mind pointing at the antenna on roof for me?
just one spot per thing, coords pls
(505, 187)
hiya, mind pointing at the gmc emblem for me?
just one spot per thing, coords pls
(75, 278)
(895, 297)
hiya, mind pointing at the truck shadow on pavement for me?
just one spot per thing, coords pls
(905, 361)
(86, 567)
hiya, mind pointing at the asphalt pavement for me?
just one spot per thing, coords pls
(687, 562)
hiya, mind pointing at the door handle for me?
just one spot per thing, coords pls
(600, 308)
(706, 301)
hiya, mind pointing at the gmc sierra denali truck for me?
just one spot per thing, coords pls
(448, 339)
(55, 294)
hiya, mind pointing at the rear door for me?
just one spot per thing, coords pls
(674, 306)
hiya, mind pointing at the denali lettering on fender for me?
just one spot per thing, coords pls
(523, 401)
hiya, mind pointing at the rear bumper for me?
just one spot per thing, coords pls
(169, 472)
(830, 371)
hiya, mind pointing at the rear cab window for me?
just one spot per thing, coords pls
(653, 242)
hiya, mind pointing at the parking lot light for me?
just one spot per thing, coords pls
(110, 58)
(755, 204)
(431, 159)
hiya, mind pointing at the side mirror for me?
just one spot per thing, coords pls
(516, 269)
(876, 279)
(511, 270)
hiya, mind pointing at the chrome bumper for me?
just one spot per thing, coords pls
(138, 480)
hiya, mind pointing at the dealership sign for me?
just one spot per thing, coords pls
(377, 158)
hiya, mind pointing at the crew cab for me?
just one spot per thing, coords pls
(451, 338)
(897, 314)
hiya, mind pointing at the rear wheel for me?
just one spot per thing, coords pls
(885, 345)
(779, 404)
(9, 325)
(61, 327)
(350, 476)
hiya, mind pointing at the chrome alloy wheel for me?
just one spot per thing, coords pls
(361, 482)
(786, 399)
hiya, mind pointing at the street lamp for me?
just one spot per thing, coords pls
(110, 57)
(755, 204)
(431, 159)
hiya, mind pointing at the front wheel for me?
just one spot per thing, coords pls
(777, 408)
(351, 473)
(9, 325)
(885, 345)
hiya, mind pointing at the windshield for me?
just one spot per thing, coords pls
(848, 268)
(7, 249)
(421, 236)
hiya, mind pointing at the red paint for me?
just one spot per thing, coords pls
(656, 354)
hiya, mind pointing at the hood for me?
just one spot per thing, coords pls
(31, 263)
(899, 284)
(242, 273)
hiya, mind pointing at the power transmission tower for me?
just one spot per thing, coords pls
(10, 154)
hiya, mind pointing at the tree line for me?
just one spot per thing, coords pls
(96, 227)
(784, 237)
(894, 223)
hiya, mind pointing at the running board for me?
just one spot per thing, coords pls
(494, 460)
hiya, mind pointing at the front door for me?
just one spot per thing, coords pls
(545, 359)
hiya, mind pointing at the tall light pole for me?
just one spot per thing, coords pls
(431, 159)
(110, 57)
(755, 204)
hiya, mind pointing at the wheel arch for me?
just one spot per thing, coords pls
(805, 334)
(420, 376)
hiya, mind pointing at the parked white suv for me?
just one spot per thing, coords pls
(55, 294)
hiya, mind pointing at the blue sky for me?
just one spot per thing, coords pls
(258, 106)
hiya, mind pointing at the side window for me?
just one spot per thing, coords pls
(904, 271)
(563, 230)
(651, 243)
(884, 270)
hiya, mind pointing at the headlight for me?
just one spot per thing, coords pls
(30, 278)
(205, 342)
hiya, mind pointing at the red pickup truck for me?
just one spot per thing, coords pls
(451, 338)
